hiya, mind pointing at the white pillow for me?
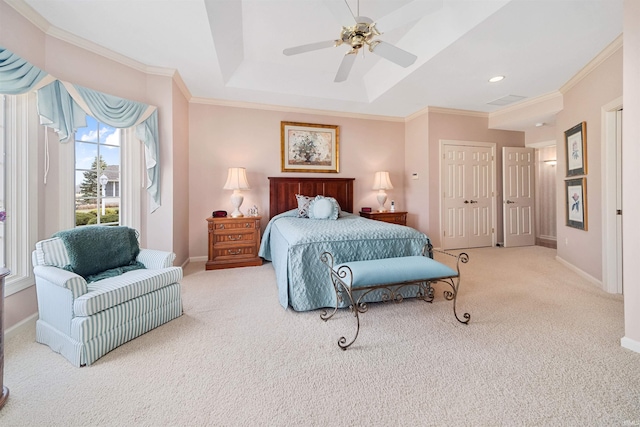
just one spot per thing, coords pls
(323, 208)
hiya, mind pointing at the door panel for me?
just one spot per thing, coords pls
(518, 190)
(455, 215)
(480, 199)
(467, 184)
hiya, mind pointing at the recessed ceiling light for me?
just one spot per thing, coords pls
(495, 79)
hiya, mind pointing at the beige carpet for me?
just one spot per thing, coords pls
(542, 348)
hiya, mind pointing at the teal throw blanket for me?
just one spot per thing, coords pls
(98, 252)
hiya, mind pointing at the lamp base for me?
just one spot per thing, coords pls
(382, 198)
(236, 200)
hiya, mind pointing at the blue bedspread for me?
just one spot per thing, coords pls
(294, 245)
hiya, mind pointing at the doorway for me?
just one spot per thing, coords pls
(612, 197)
(518, 178)
(468, 180)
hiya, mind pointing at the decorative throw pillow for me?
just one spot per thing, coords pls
(303, 205)
(337, 205)
(323, 208)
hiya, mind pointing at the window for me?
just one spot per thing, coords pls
(97, 174)
(18, 159)
(76, 158)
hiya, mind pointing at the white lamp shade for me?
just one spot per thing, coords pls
(237, 179)
(381, 181)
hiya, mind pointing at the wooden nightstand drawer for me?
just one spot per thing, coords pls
(233, 237)
(229, 224)
(226, 252)
(399, 218)
(233, 242)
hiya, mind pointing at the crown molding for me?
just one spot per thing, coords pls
(36, 19)
(526, 104)
(30, 14)
(269, 107)
(442, 110)
(456, 112)
(541, 144)
(593, 64)
(177, 78)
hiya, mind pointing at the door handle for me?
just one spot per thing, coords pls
(508, 202)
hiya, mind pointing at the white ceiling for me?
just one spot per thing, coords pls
(232, 49)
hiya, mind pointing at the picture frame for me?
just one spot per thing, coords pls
(576, 201)
(308, 147)
(576, 144)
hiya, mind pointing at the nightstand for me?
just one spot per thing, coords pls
(399, 218)
(233, 242)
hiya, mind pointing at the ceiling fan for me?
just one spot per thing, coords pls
(362, 31)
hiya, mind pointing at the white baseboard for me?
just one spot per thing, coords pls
(20, 325)
(630, 344)
(198, 259)
(580, 272)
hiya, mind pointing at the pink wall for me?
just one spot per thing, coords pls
(223, 137)
(416, 161)
(77, 65)
(540, 134)
(157, 227)
(181, 176)
(16, 33)
(631, 173)
(583, 102)
(464, 128)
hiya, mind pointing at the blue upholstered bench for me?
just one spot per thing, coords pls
(357, 279)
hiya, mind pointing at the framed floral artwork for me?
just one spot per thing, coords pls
(576, 191)
(576, 142)
(309, 147)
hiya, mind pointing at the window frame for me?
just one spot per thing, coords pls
(20, 136)
(131, 169)
(101, 146)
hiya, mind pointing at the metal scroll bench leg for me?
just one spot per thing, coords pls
(390, 275)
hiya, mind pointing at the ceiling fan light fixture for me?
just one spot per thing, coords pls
(496, 79)
(363, 32)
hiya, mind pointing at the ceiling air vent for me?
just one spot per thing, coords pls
(505, 100)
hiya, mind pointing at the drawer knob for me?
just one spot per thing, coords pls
(236, 237)
(234, 252)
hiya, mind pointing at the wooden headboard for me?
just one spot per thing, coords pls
(283, 190)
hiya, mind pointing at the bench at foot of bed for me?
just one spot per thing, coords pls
(357, 279)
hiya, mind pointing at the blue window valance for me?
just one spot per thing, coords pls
(63, 107)
(17, 75)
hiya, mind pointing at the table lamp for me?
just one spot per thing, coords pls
(236, 181)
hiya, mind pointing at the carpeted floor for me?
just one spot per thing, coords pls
(542, 348)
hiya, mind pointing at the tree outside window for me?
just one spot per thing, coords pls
(97, 153)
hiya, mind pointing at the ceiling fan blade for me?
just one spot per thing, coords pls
(394, 54)
(340, 9)
(345, 66)
(408, 13)
(309, 47)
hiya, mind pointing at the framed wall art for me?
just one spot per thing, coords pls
(576, 191)
(576, 142)
(309, 147)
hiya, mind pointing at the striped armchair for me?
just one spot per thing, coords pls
(84, 321)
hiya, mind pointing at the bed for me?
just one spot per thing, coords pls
(294, 244)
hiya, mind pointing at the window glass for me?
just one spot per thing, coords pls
(97, 174)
